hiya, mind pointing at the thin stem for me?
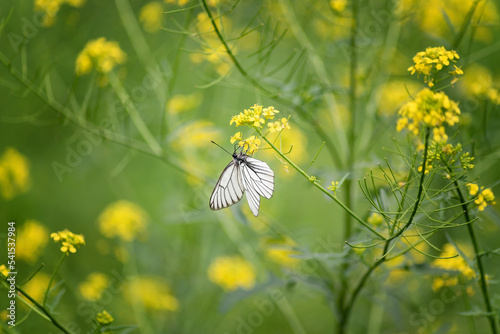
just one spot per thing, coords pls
(42, 309)
(482, 276)
(317, 185)
(347, 310)
(61, 260)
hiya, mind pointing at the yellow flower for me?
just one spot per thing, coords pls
(197, 134)
(375, 219)
(454, 264)
(269, 112)
(479, 82)
(484, 198)
(251, 117)
(150, 16)
(237, 137)
(51, 7)
(101, 54)
(432, 60)
(104, 318)
(181, 103)
(68, 240)
(31, 239)
(429, 109)
(177, 2)
(334, 187)
(232, 273)
(93, 287)
(338, 6)
(3, 270)
(14, 174)
(473, 188)
(292, 141)
(250, 144)
(281, 251)
(153, 293)
(123, 219)
(37, 286)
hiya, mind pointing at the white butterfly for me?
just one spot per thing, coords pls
(243, 174)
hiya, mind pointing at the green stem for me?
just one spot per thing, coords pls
(41, 308)
(482, 276)
(317, 185)
(61, 260)
(465, 25)
(347, 310)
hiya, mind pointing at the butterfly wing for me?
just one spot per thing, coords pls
(259, 176)
(258, 180)
(229, 188)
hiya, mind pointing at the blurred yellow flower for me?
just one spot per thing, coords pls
(375, 219)
(150, 16)
(479, 82)
(69, 240)
(31, 239)
(338, 6)
(473, 188)
(104, 318)
(281, 251)
(393, 94)
(176, 2)
(93, 286)
(3, 270)
(181, 103)
(37, 286)
(237, 137)
(101, 54)
(250, 144)
(232, 273)
(431, 17)
(197, 134)
(292, 139)
(14, 174)
(429, 109)
(153, 293)
(51, 7)
(123, 219)
(484, 198)
(456, 265)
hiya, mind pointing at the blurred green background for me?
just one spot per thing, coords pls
(150, 237)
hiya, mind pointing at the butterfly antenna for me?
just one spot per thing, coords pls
(221, 147)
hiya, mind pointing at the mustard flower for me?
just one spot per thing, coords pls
(153, 293)
(432, 60)
(101, 54)
(94, 286)
(182, 103)
(281, 251)
(338, 6)
(31, 239)
(473, 188)
(455, 266)
(104, 318)
(429, 109)
(150, 16)
(3, 270)
(14, 174)
(334, 187)
(237, 137)
(232, 273)
(250, 144)
(68, 240)
(269, 112)
(375, 219)
(123, 219)
(49, 8)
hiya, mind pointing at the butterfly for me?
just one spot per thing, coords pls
(243, 175)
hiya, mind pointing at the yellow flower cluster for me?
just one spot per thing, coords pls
(32, 238)
(104, 318)
(69, 240)
(3, 270)
(280, 250)
(484, 198)
(181, 103)
(150, 16)
(123, 219)
(101, 54)
(452, 264)
(153, 293)
(255, 117)
(51, 7)
(232, 273)
(338, 6)
(93, 287)
(375, 219)
(14, 174)
(429, 109)
(432, 60)
(481, 84)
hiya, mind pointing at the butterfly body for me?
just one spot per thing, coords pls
(244, 174)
